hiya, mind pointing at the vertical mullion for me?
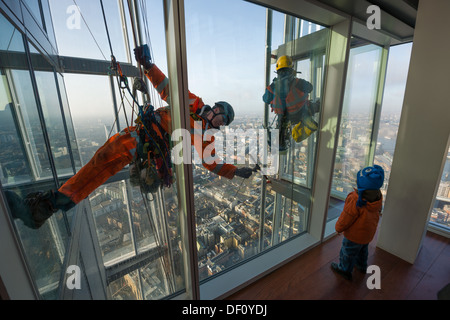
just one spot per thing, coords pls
(177, 69)
(276, 217)
(40, 113)
(378, 104)
(114, 100)
(24, 134)
(330, 117)
(262, 214)
(66, 131)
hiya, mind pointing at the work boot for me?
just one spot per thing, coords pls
(42, 206)
(18, 208)
(34, 210)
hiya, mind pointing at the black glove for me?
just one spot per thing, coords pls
(243, 172)
(142, 56)
(314, 106)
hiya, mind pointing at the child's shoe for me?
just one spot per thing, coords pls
(346, 275)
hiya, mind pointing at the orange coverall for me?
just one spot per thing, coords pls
(120, 149)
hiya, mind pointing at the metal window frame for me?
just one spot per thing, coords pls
(299, 48)
(332, 102)
(24, 134)
(177, 69)
(226, 282)
(16, 274)
(335, 69)
(383, 41)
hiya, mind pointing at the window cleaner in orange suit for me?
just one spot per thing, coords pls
(289, 98)
(144, 144)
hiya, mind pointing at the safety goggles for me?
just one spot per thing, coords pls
(221, 112)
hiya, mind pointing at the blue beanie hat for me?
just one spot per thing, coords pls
(369, 178)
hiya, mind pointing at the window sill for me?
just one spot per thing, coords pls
(230, 281)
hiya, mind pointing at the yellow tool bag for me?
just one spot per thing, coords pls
(304, 129)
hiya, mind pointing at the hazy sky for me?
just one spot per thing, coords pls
(397, 72)
(225, 45)
(225, 50)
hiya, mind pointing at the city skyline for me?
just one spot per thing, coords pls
(227, 232)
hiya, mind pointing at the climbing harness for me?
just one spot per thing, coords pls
(152, 167)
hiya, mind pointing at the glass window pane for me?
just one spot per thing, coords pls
(11, 40)
(92, 110)
(35, 9)
(394, 91)
(292, 221)
(44, 248)
(32, 129)
(25, 166)
(169, 201)
(127, 287)
(130, 224)
(356, 126)
(69, 123)
(48, 22)
(111, 213)
(232, 69)
(142, 221)
(357, 117)
(440, 214)
(154, 280)
(19, 95)
(14, 167)
(51, 108)
(85, 25)
(300, 159)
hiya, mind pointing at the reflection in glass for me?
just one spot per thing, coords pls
(142, 224)
(139, 231)
(14, 167)
(127, 287)
(69, 123)
(32, 124)
(356, 123)
(293, 219)
(229, 213)
(394, 92)
(357, 117)
(155, 284)
(131, 227)
(48, 22)
(24, 159)
(51, 108)
(110, 209)
(11, 40)
(440, 214)
(44, 248)
(146, 283)
(35, 9)
(300, 158)
(92, 111)
(71, 29)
